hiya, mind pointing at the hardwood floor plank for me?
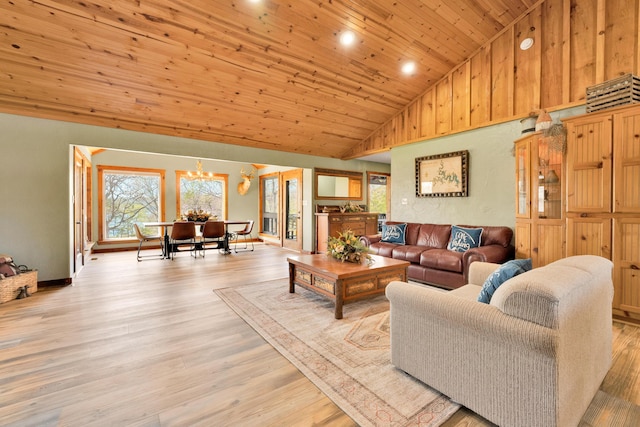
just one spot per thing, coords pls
(150, 344)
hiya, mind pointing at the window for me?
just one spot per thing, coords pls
(128, 196)
(269, 200)
(209, 195)
(378, 185)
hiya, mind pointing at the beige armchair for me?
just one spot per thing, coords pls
(535, 356)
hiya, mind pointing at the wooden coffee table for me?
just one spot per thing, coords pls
(344, 282)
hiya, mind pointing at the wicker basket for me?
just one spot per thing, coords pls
(10, 286)
(613, 93)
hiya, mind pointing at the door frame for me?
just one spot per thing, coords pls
(387, 214)
(81, 201)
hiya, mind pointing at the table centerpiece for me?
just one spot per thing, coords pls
(348, 247)
(196, 215)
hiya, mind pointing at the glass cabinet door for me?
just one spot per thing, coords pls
(549, 182)
(523, 198)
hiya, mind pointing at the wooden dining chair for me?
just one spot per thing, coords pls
(212, 232)
(182, 233)
(245, 233)
(142, 238)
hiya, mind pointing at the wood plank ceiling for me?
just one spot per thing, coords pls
(268, 74)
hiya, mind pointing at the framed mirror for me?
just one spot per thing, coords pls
(332, 184)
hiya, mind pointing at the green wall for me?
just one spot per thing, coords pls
(36, 175)
(491, 177)
(35, 194)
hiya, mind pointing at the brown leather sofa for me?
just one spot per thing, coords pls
(431, 262)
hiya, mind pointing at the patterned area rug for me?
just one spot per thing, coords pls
(347, 359)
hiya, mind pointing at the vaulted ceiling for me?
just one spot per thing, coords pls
(268, 74)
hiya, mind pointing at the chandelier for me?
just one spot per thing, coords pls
(199, 173)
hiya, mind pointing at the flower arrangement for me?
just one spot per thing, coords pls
(347, 247)
(196, 215)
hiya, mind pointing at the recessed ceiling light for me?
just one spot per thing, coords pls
(347, 38)
(526, 43)
(408, 67)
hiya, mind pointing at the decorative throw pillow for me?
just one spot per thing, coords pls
(463, 239)
(394, 233)
(505, 272)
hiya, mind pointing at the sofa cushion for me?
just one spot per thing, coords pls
(434, 235)
(494, 234)
(442, 259)
(409, 253)
(503, 273)
(469, 292)
(463, 239)
(394, 233)
(383, 249)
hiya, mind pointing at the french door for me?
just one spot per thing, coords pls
(280, 209)
(292, 209)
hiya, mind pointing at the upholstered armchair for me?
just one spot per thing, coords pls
(534, 356)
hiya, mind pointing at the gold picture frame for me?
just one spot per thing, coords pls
(442, 175)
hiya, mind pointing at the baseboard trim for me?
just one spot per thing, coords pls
(55, 283)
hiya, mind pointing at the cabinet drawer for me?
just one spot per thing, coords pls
(354, 219)
(358, 229)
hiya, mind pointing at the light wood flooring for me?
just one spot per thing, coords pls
(149, 344)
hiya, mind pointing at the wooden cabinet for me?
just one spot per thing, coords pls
(333, 223)
(540, 224)
(603, 196)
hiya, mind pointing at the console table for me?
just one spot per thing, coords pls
(333, 223)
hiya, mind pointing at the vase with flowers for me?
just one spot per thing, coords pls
(197, 215)
(348, 248)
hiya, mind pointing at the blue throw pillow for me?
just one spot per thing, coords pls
(505, 272)
(463, 239)
(394, 233)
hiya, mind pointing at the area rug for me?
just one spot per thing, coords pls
(348, 359)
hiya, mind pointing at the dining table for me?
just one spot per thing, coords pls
(166, 225)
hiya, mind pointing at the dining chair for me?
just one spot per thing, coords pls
(182, 233)
(147, 238)
(212, 232)
(246, 231)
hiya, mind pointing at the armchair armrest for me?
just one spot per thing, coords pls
(371, 238)
(479, 271)
(412, 305)
(497, 254)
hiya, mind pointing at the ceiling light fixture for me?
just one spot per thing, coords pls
(347, 38)
(199, 174)
(526, 43)
(409, 67)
